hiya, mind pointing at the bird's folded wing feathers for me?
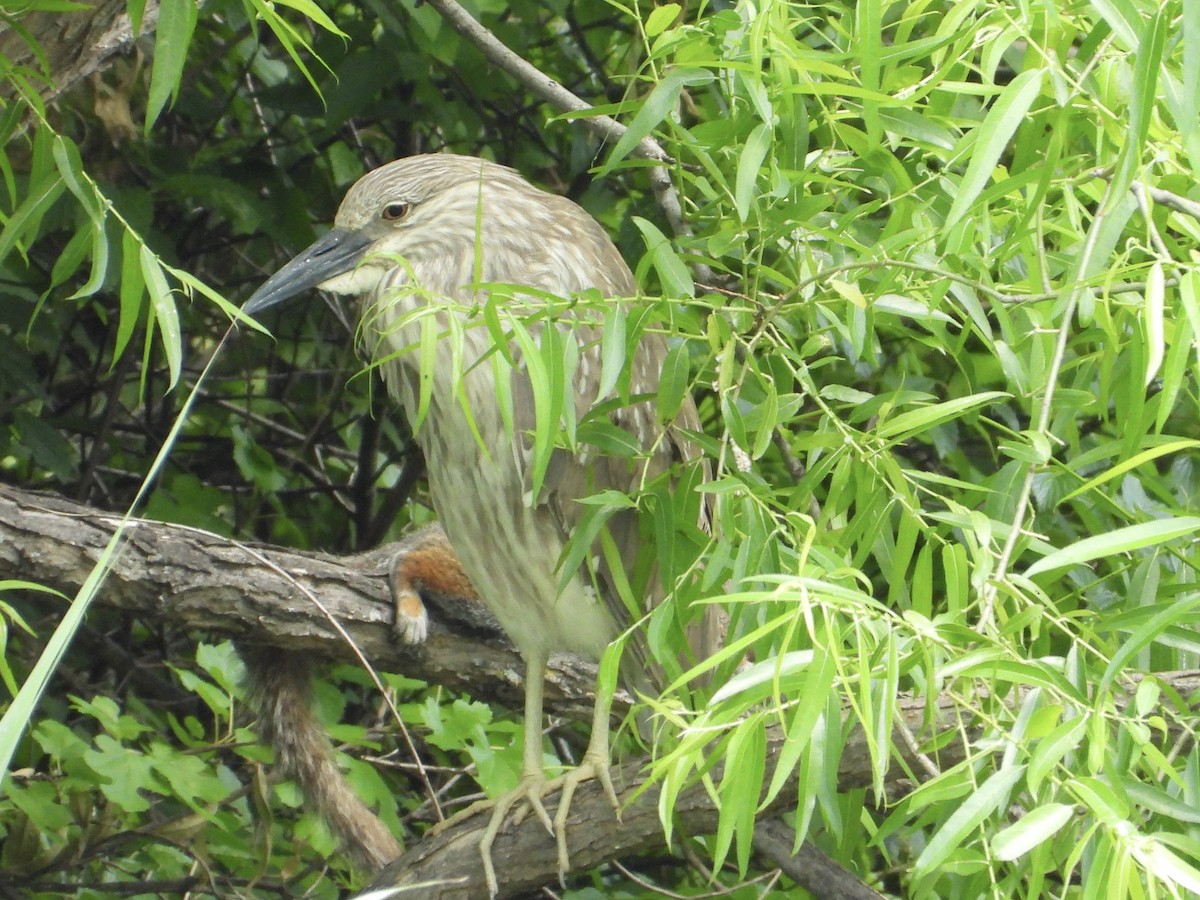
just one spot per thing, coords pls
(572, 476)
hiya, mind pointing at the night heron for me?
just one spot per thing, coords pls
(420, 240)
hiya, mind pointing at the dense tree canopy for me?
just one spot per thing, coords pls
(929, 271)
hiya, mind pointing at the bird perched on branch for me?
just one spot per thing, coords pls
(458, 262)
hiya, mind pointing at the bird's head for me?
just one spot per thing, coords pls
(414, 206)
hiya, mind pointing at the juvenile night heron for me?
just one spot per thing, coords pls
(419, 240)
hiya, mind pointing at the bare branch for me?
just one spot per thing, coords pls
(199, 580)
(73, 45)
(545, 87)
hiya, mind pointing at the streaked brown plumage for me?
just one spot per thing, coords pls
(415, 239)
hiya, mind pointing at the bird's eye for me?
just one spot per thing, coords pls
(394, 211)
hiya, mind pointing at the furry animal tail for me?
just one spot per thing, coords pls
(279, 689)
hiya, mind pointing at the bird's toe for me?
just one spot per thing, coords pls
(590, 768)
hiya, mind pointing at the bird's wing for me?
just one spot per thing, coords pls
(571, 476)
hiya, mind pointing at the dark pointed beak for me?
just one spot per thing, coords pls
(339, 251)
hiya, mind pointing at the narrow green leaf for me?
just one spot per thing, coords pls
(1156, 799)
(543, 424)
(1168, 866)
(290, 38)
(991, 139)
(133, 291)
(558, 359)
(1152, 321)
(957, 573)
(677, 281)
(135, 9)
(1176, 372)
(762, 672)
(926, 417)
(657, 106)
(99, 265)
(612, 351)
(1101, 800)
(818, 685)
(754, 151)
(1189, 94)
(1121, 17)
(194, 285)
(1144, 85)
(673, 383)
(745, 765)
(1180, 612)
(71, 256)
(39, 199)
(748, 788)
(1130, 464)
(868, 28)
(1053, 747)
(165, 313)
(314, 13)
(173, 35)
(1123, 540)
(70, 166)
(978, 806)
(768, 418)
(885, 710)
(1033, 828)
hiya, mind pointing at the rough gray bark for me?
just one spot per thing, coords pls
(204, 581)
(73, 44)
(200, 580)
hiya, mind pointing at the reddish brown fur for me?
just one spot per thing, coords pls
(428, 565)
(280, 692)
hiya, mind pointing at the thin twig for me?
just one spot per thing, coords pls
(910, 741)
(538, 82)
(1167, 199)
(991, 589)
(1142, 195)
(545, 87)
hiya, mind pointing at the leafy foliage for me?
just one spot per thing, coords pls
(939, 306)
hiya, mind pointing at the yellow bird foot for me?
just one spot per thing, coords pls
(527, 795)
(529, 790)
(591, 766)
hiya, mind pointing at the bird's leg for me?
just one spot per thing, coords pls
(533, 772)
(532, 785)
(595, 764)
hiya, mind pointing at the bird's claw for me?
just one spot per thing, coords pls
(530, 791)
(526, 796)
(589, 767)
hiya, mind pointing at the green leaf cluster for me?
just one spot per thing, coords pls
(937, 302)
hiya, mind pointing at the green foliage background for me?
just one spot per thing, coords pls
(945, 361)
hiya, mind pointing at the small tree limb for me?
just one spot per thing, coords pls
(70, 46)
(542, 85)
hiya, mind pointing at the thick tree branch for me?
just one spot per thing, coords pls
(200, 580)
(67, 47)
(446, 865)
(808, 866)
